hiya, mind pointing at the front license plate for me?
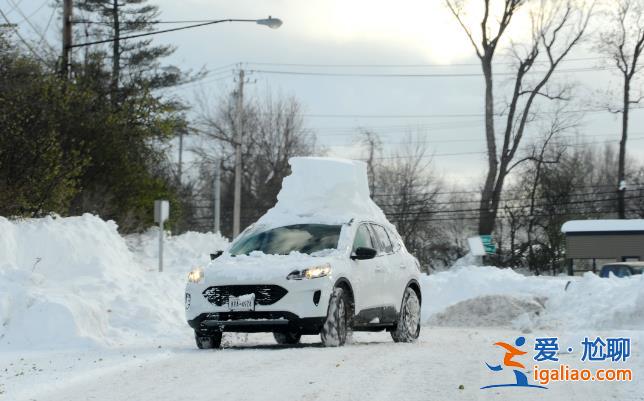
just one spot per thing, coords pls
(242, 303)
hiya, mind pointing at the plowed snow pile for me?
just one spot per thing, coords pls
(490, 311)
(68, 282)
(487, 296)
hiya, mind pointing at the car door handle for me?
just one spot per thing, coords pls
(403, 266)
(379, 269)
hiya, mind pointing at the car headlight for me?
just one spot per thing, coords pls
(311, 272)
(196, 275)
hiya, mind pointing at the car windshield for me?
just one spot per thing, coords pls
(304, 238)
(617, 270)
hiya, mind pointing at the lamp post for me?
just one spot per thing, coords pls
(270, 22)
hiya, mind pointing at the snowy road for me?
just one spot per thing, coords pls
(372, 368)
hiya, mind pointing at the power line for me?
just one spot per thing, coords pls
(502, 216)
(579, 202)
(44, 32)
(479, 140)
(13, 8)
(420, 75)
(430, 156)
(139, 35)
(419, 65)
(523, 198)
(15, 29)
(450, 115)
(505, 190)
(31, 25)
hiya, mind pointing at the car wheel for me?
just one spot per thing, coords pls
(208, 342)
(335, 328)
(408, 327)
(287, 338)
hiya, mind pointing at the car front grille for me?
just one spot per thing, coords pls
(265, 294)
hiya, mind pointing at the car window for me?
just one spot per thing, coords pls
(383, 239)
(617, 270)
(363, 238)
(395, 242)
(303, 238)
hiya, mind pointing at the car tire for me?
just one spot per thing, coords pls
(287, 338)
(408, 327)
(336, 325)
(209, 341)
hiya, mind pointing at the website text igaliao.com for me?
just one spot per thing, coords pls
(565, 373)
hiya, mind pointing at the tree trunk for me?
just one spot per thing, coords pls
(487, 212)
(621, 207)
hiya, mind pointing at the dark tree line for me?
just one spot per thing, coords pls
(94, 142)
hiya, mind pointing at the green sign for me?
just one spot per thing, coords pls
(488, 245)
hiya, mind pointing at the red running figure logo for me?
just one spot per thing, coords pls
(509, 362)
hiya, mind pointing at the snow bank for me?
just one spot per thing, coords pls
(324, 190)
(75, 282)
(490, 311)
(69, 282)
(186, 250)
(472, 296)
(598, 303)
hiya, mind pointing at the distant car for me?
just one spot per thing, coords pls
(310, 278)
(621, 269)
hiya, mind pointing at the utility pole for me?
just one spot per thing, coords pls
(116, 50)
(238, 153)
(217, 196)
(67, 38)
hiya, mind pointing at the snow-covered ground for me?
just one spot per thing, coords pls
(372, 368)
(84, 314)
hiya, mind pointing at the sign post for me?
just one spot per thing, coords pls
(161, 214)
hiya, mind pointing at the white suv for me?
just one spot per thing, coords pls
(308, 278)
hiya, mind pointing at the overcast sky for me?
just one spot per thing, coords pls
(447, 110)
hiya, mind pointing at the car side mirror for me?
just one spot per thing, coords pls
(215, 255)
(364, 253)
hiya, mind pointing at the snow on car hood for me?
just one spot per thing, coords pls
(261, 267)
(325, 191)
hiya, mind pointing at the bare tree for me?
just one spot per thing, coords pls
(556, 29)
(407, 190)
(372, 142)
(623, 42)
(273, 133)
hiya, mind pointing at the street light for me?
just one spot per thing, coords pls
(270, 22)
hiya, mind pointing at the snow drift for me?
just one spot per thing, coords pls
(75, 282)
(487, 296)
(67, 282)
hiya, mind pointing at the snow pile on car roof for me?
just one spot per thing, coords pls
(324, 190)
(73, 282)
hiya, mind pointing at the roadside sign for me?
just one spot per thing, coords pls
(488, 245)
(481, 245)
(161, 211)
